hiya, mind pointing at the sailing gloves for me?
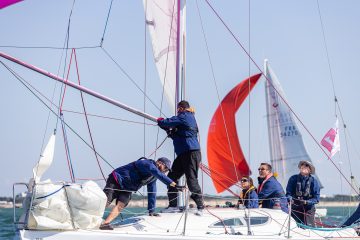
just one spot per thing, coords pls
(180, 188)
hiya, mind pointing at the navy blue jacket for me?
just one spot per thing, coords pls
(314, 190)
(185, 135)
(142, 172)
(272, 194)
(251, 199)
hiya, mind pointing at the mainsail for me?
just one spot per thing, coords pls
(226, 160)
(286, 144)
(162, 21)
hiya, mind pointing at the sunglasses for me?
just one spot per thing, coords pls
(244, 180)
(262, 169)
(306, 165)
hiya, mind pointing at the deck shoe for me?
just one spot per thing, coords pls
(106, 226)
(171, 210)
(199, 212)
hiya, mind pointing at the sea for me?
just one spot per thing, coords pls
(335, 215)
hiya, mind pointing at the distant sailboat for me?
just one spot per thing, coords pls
(287, 148)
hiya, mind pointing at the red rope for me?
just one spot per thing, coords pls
(67, 77)
(206, 170)
(86, 117)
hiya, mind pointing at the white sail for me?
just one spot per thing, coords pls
(286, 144)
(45, 160)
(161, 18)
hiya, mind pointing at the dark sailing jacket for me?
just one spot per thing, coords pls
(301, 188)
(271, 194)
(249, 198)
(184, 131)
(142, 172)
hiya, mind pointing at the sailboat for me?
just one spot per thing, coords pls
(214, 224)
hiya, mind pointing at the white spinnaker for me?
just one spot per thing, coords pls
(287, 148)
(45, 160)
(161, 18)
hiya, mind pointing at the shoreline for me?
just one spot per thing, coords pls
(162, 203)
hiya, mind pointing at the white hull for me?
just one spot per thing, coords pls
(171, 225)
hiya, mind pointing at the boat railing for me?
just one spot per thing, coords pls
(14, 206)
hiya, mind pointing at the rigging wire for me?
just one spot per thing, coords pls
(249, 85)
(336, 102)
(48, 47)
(62, 118)
(86, 117)
(61, 99)
(29, 86)
(282, 98)
(217, 91)
(107, 20)
(131, 79)
(145, 86)
(107, 117)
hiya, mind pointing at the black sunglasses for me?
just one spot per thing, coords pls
(244, 180)
(262, 169)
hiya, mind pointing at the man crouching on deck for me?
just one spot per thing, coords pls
(130, 178)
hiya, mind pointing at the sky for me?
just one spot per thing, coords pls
(288, 33)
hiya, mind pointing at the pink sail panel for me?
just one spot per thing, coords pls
(331, 140)
(224, 153)
(5, 3)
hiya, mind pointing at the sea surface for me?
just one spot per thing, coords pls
(335, 215)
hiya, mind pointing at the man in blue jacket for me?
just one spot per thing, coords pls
(304, 191)
(130, 178)
(183, 130)
(270, 192)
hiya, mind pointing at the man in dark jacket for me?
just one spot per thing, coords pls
(183, 130)
(270, 192)
(304, 191)
(130, 178)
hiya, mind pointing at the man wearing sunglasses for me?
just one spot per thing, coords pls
(270, 192)
(130, 178)
(304, 191)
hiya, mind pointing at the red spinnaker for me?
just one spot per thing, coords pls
(5, 3)
(226, 160)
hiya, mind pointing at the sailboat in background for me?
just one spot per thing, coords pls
(287, 147)
(215, 223)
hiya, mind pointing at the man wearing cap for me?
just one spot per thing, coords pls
(130, 178)
(183, 130)
(303, 191)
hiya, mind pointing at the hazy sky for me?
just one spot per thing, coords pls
(288, 33)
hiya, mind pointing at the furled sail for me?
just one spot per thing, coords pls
(226, 160)
(287, 148)
(162, 21)
(45, 160)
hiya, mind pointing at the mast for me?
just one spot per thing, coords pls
(79, 87)
(180, 71)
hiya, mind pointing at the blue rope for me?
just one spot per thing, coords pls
(322, 229)
(67, 185)
(107, 20)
